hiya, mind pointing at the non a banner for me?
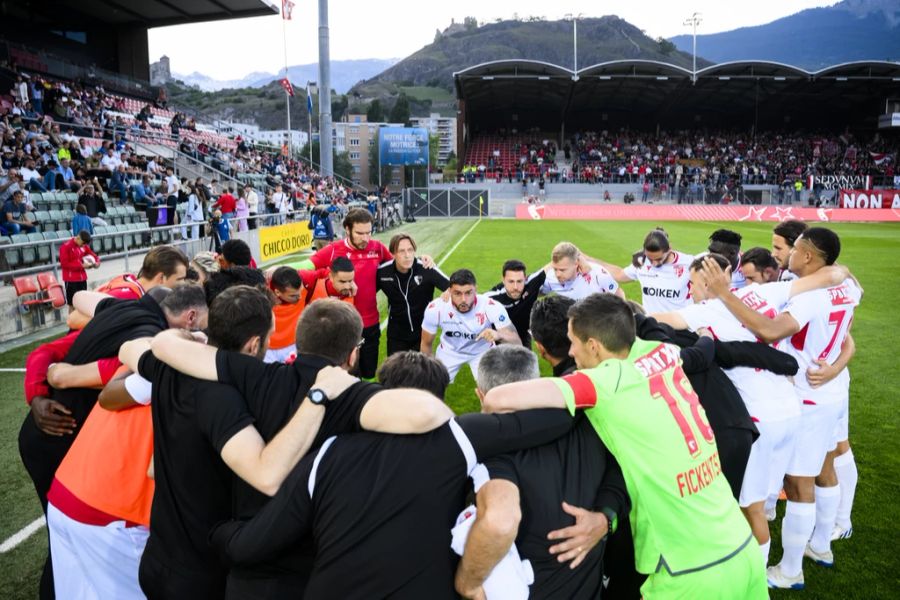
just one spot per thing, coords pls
(869, 199)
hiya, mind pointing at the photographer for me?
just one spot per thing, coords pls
(218, 229)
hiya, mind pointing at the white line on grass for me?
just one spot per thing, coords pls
(446, 256)
(12, 370)
(22, 535)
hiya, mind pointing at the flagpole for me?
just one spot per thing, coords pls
(287, 96)
(309, 124)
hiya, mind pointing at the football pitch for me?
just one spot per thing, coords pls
(865, 565)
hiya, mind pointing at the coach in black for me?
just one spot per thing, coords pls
(518, 295)
(409, 287)
(569, 494)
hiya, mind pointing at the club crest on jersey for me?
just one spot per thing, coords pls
(679, 270)
(450, 314)
(482, 318)
(502, 318)
(418, 279)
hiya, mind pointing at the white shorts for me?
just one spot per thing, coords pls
(280, 355)
(815, 438)
(93, 562)
(770, 456)
(842, 429)
(455, 360)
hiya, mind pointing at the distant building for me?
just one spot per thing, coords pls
(445, 127)
(355, 135)
(160, 72)
(271, 137)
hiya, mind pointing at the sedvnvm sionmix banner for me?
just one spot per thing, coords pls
(284, 239)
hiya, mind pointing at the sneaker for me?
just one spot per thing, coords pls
(839, 533)
(771, 514)
(825, 559)
(778, 580)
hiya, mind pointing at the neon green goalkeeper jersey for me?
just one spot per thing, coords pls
(683, 515)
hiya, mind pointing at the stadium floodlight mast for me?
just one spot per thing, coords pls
(693, 21)
(574, 42)
(326, 159)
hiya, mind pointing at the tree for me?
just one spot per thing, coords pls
(434, 143)
(400, 111)
(338, 106)
(375, 112)
(665, 46)
(342, 166)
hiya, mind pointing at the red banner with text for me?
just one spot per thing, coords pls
(863, 199)
(700, 212)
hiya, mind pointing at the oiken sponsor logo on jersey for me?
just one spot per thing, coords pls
(660, 292)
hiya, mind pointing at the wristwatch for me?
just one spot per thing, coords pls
(317, 396)
(613, 519)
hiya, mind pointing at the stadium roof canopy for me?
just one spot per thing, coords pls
(87, 14)
(644, 94)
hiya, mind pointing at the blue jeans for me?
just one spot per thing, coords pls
(35, 185)
(15, 228)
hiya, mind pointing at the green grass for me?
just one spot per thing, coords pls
(866, 564)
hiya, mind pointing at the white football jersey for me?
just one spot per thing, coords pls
(824, 317)
(768, 397)
(664, 288)
(460, 330)
(582, 285)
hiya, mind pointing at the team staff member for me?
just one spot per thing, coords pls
(546, 487)
(408, 287)
(328, 334)
(120, 320)
(661, 271)
(365, 254)
(518, 294)
(75, 256)
(689, 535)
(362, 494)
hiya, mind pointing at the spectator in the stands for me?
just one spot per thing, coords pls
(94, 204)
(227, 204)
(31, 176)
(13, 220)
(143, 191)
(118, 183)
(81, 221)
(49, 180)
(110, 160)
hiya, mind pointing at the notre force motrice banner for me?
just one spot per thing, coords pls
(284, 239)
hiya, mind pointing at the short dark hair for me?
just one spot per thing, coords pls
(238, 314)
(414, 370)
(329, 328)
(357, 215)
(462, 277)
(825, 241)
(726, 236)
(341, 264)
(606, 318)
(162, 259)
(513, 265)
(657, 240)
(697, 263)
(286, 277)
(760, 258)
(790, 230)
(184, 296)
(395, 242)
(85, 236)
(507, 363)
(221, 280)
(237, 252)
(549, 322)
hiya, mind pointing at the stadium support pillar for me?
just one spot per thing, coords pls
(326, 156)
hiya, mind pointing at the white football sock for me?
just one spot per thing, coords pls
(847, 474)
(796, 529)
(827, 500)
(764, 548)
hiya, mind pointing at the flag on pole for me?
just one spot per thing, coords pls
(286, 8)
(879, 157)
(308, 101)
(286, 84)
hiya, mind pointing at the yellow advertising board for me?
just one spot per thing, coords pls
(281, 240)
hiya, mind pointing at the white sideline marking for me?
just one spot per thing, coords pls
(22, 535)
(446, 256)
(12, 370)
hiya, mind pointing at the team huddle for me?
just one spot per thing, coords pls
(220, 438)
